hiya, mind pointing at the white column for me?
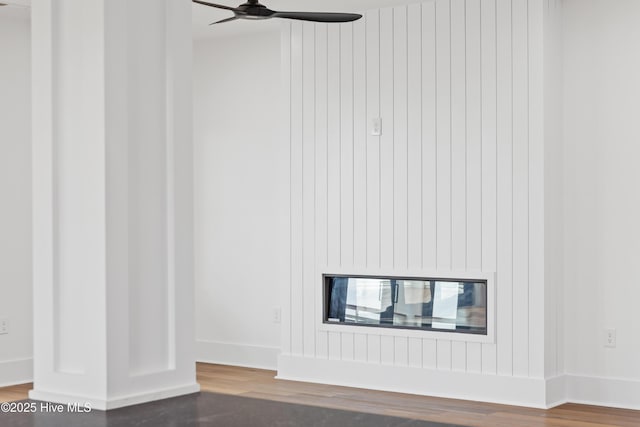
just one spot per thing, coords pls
(112, 183)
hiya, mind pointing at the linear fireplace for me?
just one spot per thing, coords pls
(407, 303)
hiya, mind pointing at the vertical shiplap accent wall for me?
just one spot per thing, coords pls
(550, 192)
(448, 185)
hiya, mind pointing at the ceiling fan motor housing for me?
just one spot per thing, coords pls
(253, 10)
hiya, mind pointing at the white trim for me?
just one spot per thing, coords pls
(519, 391)
(489, 277)
(115, 403)
(245, 355)
(556, 393)
(516, 391)
(417, 273)
(603, 391)
(14, 372)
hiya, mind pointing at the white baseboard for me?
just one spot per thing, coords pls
(528, 392)
(249, 356)
(16, 372)
(556, 393)
(518, 391)
(116, 402)
(601, 391)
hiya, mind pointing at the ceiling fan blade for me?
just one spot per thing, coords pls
(318, 16)
(219, 6)
(222, 21)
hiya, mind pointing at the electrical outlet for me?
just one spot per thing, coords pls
(4, 326)
(610, 339)
(277, 315)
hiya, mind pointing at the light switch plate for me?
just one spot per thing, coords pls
(376, 126)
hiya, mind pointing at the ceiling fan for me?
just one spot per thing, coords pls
(254, 10)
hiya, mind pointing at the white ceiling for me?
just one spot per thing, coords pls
(203, 15)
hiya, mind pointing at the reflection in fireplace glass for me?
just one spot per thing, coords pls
(432, 304)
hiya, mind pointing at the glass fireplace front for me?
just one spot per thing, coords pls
(407, 303)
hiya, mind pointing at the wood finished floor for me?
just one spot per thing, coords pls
(261, 384)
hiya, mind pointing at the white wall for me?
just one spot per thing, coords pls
(455, 185)
(15, 195)
(237, 130)
(602, 205)
(553, 191)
